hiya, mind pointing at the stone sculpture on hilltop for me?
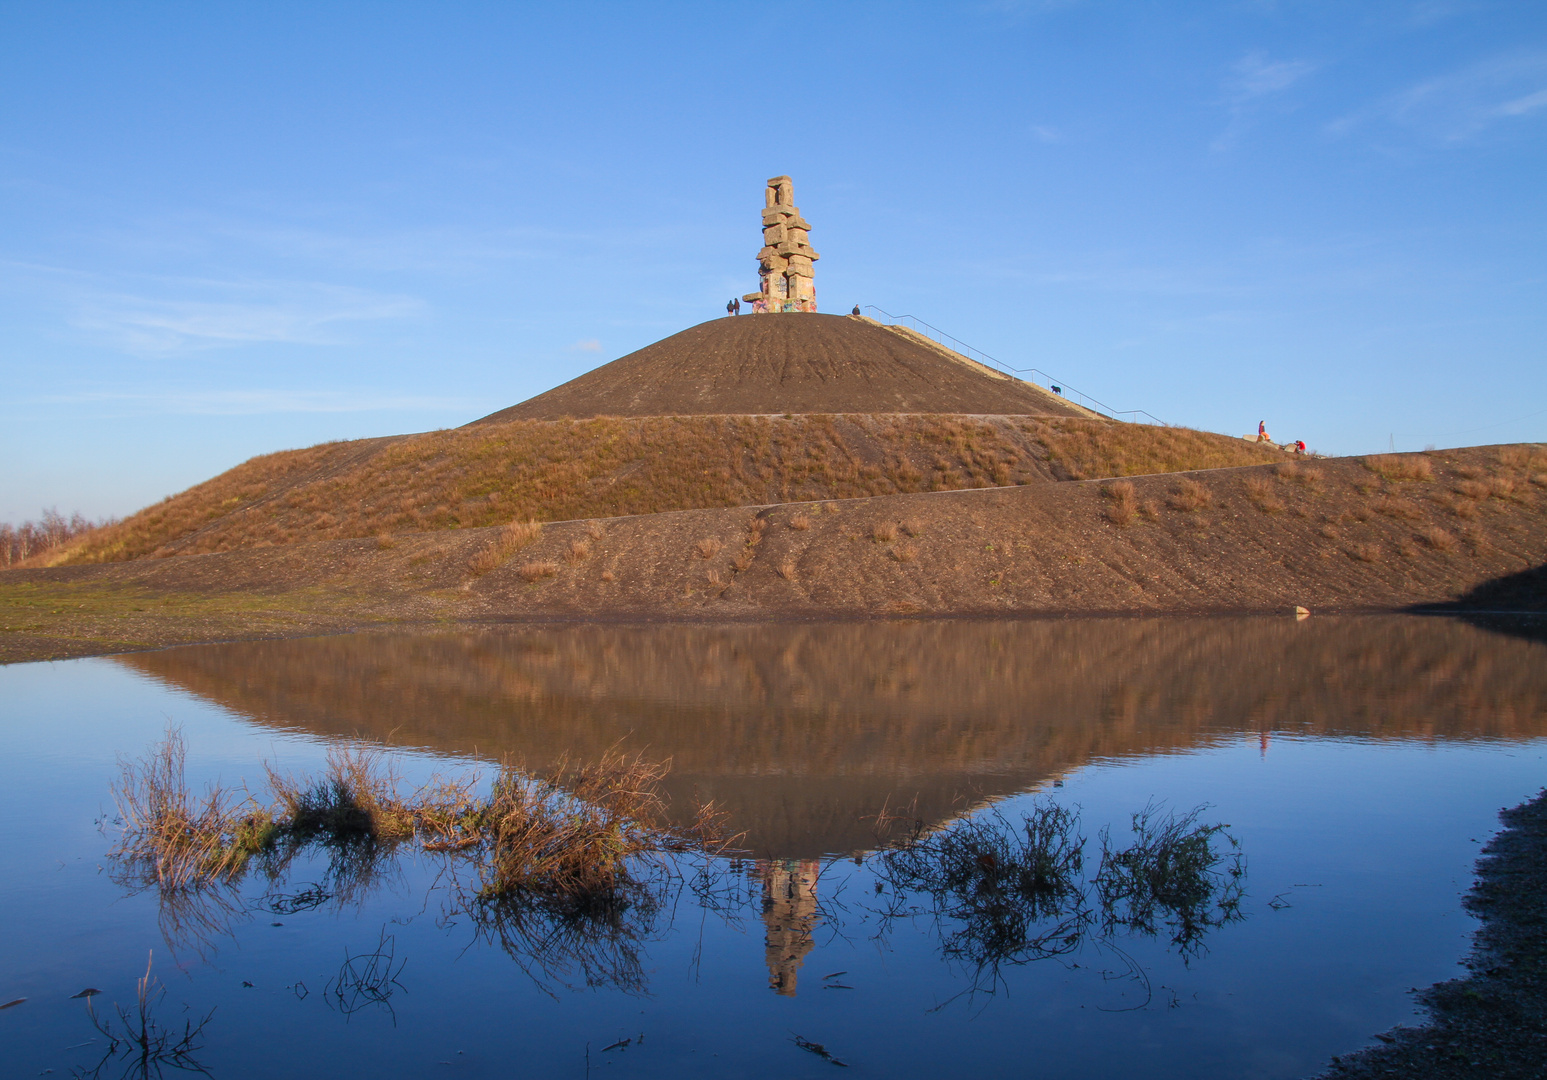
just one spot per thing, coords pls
(784, 263)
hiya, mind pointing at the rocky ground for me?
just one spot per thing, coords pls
(1492, 1024)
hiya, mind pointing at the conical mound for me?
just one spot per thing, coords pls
(790, 363)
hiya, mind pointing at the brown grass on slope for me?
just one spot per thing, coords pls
(610, 467)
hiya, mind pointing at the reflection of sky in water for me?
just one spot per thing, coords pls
(1370, 842)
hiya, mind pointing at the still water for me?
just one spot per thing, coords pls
(1358, 762)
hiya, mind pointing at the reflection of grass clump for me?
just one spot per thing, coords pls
(1017, 893)
(143, 1046)
(1174, 875)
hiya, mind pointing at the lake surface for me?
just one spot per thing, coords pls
(1359, 763)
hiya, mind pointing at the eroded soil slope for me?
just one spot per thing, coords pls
(557, 470)
(1349, 534)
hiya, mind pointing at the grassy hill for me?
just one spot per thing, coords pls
(492, 473)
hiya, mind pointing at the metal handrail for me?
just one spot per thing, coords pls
(940, 337)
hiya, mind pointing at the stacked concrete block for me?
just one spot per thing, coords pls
(785, 262)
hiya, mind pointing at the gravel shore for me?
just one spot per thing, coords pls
(1492, 1023)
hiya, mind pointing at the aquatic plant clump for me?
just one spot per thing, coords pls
(574, 832)
(176, 840)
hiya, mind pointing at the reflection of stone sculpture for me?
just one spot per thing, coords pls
(789, 916)
(784, 264)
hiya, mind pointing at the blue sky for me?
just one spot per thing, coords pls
(232, 228)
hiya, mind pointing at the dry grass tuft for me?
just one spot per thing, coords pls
(1329, 531)
(1397, 508)
(1121, 507)
(913, 527)
(1472, 489)
(708, 547)
(1366, 553)
(830, 508)
(787, 569)
(174, 840)
(1400, 466)
(487, 559)
(1437, 538)
(385, 541)
(595, 530)
(518, 534)
(1297, 473)
(905, 553)
(1262, 493)
(1463, 508)
(578, 552)
(1189, 495)
(572, 833)
(536, 571)
(800, 523)
(884, 532)
(608, 575)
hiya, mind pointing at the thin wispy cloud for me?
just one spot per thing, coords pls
(1462, 105)
(253, 402)
(1255, 76)
(160, 314)
(304, 314)
(1254, 82)
(586, 345)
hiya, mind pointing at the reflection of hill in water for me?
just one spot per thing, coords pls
(803, 731)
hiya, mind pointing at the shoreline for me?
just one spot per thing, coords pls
(1492, 1023)
(24, 649)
